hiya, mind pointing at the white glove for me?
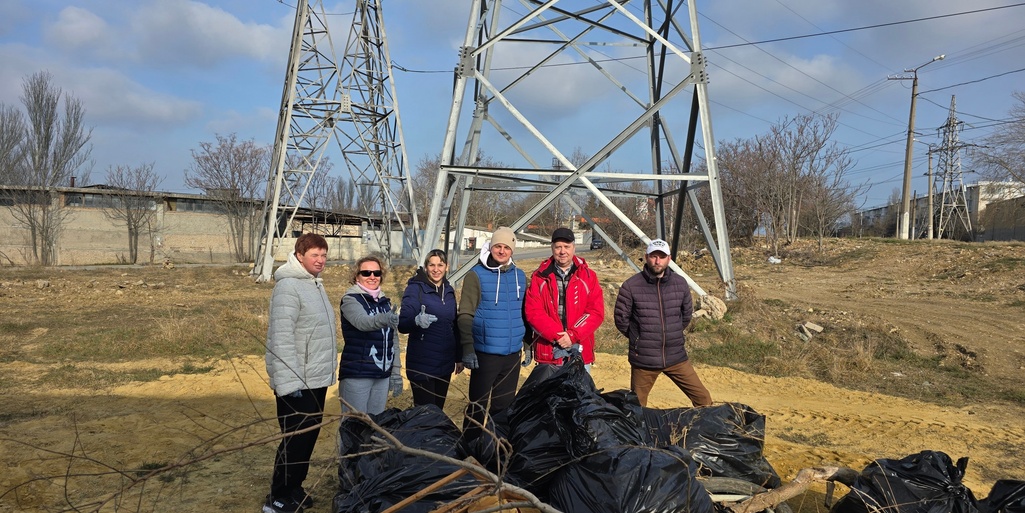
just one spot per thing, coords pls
(424, 319)
(387, 319)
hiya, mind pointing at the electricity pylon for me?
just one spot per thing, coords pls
(352, 103)
(560, 44)
(954, 219)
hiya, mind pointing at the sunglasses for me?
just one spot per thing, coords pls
(366, 274)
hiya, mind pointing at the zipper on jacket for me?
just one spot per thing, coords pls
(662, 317)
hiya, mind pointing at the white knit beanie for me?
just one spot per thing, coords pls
(504, 235)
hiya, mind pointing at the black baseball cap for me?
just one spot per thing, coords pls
(564, 234)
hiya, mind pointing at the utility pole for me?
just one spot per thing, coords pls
(905, 198)
(931, 211)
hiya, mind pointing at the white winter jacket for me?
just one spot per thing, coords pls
(302, 345)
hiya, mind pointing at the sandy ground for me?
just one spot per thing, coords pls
(963, 303)
(216, 425)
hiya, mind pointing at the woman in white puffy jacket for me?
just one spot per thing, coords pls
(302, 361)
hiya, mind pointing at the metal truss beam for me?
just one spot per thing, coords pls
(487, 101)
(352, 102)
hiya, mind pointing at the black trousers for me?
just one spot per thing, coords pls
(292, 461)
(492, 386)
(430, 391)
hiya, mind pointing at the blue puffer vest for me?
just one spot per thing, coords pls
(498, 323)
(367, 354)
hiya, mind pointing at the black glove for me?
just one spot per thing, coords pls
(470, 360)
(528, 355)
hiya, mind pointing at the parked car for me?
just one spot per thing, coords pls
(597, 243)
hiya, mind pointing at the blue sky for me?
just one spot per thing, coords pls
(157, 77)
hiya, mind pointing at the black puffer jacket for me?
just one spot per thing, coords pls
(434, 351)
(652, 313)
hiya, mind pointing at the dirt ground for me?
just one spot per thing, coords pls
(959, 301)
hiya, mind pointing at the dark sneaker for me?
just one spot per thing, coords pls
(282, 505)
(300, 497)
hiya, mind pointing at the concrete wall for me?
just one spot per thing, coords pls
(1003, 220)
(90, 238)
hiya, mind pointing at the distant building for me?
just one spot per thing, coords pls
(995, 212)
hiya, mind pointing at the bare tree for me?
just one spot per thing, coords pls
(53, 148)
(343, 196)
(233, 172)
(423, 181)
(1002, 156)
(488, 207)
(829, 197)
(803, 169)
(742, 169)
(320, 191)
(131, 201)
(12, 133)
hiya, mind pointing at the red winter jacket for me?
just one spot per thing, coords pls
(585, 309)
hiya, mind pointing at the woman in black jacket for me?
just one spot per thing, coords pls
(428, 315)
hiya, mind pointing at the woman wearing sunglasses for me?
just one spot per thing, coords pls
(428, 315)
(370, 365)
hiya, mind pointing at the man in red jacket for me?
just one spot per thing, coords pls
(564, 304)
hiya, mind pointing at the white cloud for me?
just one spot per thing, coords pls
(109, 96)
(112, 97)
(79, 31)
(194, 34)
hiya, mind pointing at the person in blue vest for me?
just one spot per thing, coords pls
(370, 365)
(428, 315)
(492, 329)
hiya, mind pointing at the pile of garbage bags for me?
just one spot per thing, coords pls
(581, 450)
(927, 482)
(572, 446)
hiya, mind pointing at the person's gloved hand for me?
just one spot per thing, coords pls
(528, 355)
(566, 353)
(395, 385)
(387, 319)
(297, 394)
(470, 360)
(424, 319)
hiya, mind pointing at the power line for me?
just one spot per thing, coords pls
(973, 81)
(866, 27)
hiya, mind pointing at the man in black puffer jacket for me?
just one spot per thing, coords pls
(652, 310)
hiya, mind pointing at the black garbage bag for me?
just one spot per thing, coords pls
(631, 479)
(927, 482)
(1007, 496)
(726, 440)
(373, 481)
(556, 420)
(626, 401)
(485, 445)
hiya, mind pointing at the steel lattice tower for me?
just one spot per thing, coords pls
(954, 219)
(353, 103)
(648, 101)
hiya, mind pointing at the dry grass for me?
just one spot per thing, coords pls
(189, 315)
